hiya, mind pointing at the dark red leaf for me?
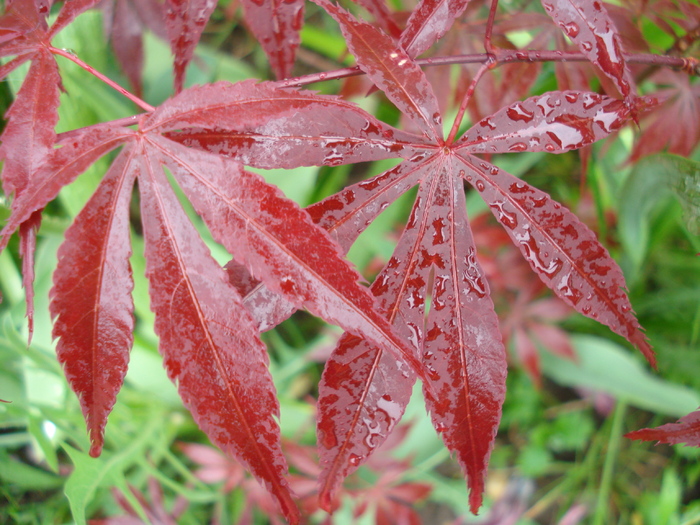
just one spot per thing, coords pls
(686, 430)
(91, 299)
(560, 249)
(428, 23)
(555, 122)
(462, 347)
(586, 22)
(391, 69)
(209, 342)
(291, 256)
(185, 21)
(276, 25)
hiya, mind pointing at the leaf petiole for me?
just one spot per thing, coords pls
(72, 57)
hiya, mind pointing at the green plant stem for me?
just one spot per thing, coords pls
(603, 502)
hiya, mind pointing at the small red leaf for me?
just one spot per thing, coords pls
(560, 249)
(91, 298)
(428, 23)
(210, 344)
(554, 122)
(588, 24)
(462, 340)
(185, 21)
(391, 69)
(686, 430)
(276, 24)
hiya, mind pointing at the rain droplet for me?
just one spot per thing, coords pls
(571, 97)
(518, 112)
(355, 460)
(480, 185)
(571, 29)
(518, 146)
(494, 170)
(587, 46)
(549, 147)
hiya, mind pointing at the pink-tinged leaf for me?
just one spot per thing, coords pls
(462, 347)
(68, 13)
(555, 122)
(587, 24)
(344, 216)
(364, 391)
(61, 167)
(686, 430)
(91, 298)
(210, 345)
(27, 246)
(675, 125)
(391, 69)
(276, 25)
(185, 21)
(279, 244)
(265, 126)
(125, 32)
(564, 253)
(29, 136)
(428, 23)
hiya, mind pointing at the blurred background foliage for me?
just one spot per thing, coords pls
(559, 457)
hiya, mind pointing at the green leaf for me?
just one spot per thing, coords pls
(608, 367)
(653, 180)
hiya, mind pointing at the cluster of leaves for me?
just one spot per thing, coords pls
(427, 315)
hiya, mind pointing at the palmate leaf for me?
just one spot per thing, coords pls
(465, 355)
(293, 257)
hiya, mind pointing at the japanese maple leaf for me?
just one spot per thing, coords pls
(686, 430)
(29, 134)
(209, 341)
(364, 389)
